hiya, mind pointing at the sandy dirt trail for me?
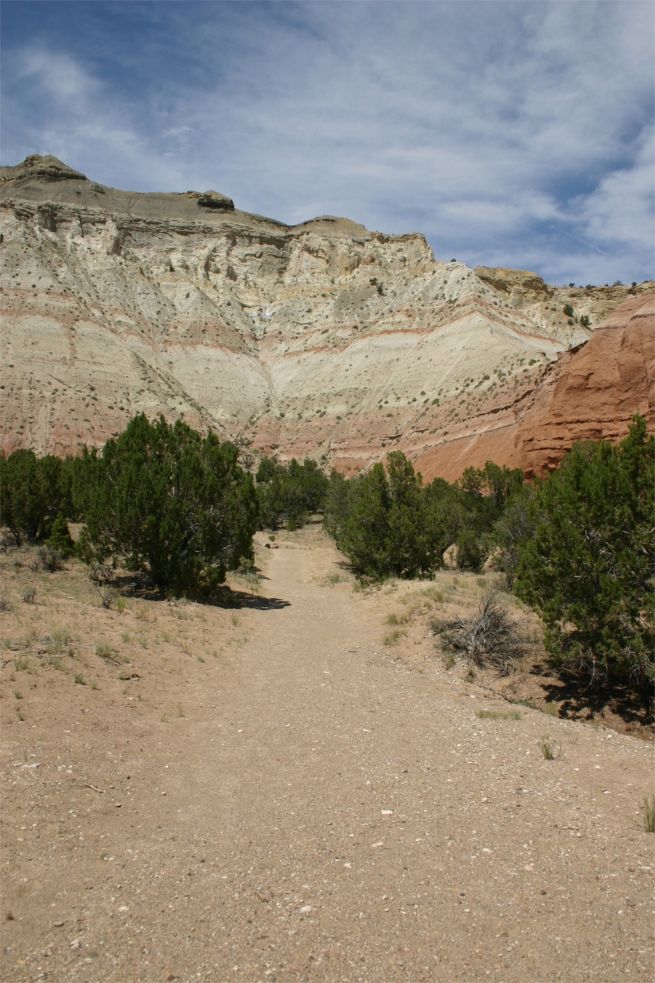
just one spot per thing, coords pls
(321, 813)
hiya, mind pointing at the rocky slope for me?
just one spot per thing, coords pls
(588, 393)
(322, 338)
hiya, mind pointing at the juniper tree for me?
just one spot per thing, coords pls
(587, 565)
(172, 503)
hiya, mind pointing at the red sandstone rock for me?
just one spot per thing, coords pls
(589, 393)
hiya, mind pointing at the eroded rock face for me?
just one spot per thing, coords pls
(212, 199)
(589, 393)
(40, 168)
(321, 339)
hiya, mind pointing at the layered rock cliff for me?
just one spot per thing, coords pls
(589, 393)
(322, 338)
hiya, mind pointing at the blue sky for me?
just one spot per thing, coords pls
(516, 134)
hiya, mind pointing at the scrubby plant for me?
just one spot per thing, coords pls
(34, 491)
(172, 503)
(390, 524)
(60, 539)
(471, 551)
(100, 573)
(380, 521)
(108, 597)
(548, 749)
(289, 493)
(587, 565)
(498, 714)
(108, 653)
(489, 639)
(50, 559)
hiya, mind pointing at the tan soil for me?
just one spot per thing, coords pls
(307, 803)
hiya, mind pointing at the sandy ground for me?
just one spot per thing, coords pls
(291, 792)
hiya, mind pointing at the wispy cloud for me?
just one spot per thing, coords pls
(512, 133)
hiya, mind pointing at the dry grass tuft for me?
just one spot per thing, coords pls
(498, 714)
(648, 809)
(548, 749)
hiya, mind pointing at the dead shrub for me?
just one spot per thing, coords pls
(100, 573)
(108, 597)
(488, 640)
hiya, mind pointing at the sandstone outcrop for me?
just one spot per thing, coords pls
(589, 393)
(322, 338)
(212, 199)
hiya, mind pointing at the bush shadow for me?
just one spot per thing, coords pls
(141, 587)
(576, 699)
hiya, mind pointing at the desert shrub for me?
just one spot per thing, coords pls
(489, 639)
(389, 524)
(289, 493)
(471, 551)
(587, 565)
(486, 493)
(483, 496)
(446, 514)
(172, 503)
(100, 573)
(380, 521)
(108, 653)
(59, 539)
(514, 527)
(33, 492)
(108, 597)
(50, 559)
(337, 505)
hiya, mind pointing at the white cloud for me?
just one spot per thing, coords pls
(67, 81)
(497, 129)
(620, 211)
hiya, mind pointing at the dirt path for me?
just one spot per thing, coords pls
(318, 812)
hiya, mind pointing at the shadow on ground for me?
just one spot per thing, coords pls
(576, 699)
(129, 585)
